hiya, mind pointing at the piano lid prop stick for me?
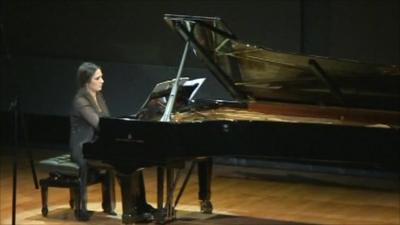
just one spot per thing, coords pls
(171, 100)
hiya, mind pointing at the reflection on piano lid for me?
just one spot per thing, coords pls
(251, 72)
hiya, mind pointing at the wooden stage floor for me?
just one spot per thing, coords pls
(240, 197)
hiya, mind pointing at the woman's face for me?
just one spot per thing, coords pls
(96, 82)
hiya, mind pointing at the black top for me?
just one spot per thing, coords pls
(85, 116)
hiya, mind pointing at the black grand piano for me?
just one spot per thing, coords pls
(287, 106)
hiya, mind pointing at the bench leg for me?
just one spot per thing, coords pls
(44, 193)
(71, 197)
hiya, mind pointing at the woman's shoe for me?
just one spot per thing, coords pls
(110, 212)
(143, 217)
(83, 215)
(147, 208)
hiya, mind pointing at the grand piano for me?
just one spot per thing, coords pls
(286, 106)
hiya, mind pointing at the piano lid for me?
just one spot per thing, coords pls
(250, 72)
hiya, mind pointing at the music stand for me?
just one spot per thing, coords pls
(154, 106)
(187, 90)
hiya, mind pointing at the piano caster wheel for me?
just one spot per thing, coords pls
(45, 211)
(159, 216)
(206, 207)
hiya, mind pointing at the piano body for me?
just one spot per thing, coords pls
(288, 106)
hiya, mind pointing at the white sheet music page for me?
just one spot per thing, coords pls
(198, 82)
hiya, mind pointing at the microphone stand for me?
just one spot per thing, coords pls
(17, 125)
(17, 121)
(14, 110)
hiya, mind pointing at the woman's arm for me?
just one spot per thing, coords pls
(86, 110)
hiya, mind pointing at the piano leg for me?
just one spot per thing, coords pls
(160, 214)
(165, 213)
(160, 187)
(204, 172)
(170, 194)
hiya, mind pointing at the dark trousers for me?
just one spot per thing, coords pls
(139, 191)
(108, 186)
(108, 191)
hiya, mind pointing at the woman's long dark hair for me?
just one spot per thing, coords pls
(85, 72)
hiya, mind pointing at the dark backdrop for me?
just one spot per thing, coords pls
(47, 40)
(44, 41)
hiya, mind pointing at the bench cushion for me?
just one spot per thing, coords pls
(61, 164)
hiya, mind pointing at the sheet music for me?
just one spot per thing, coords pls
(198, 82)
(167, 85)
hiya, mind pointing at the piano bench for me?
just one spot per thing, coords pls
(63, 173)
